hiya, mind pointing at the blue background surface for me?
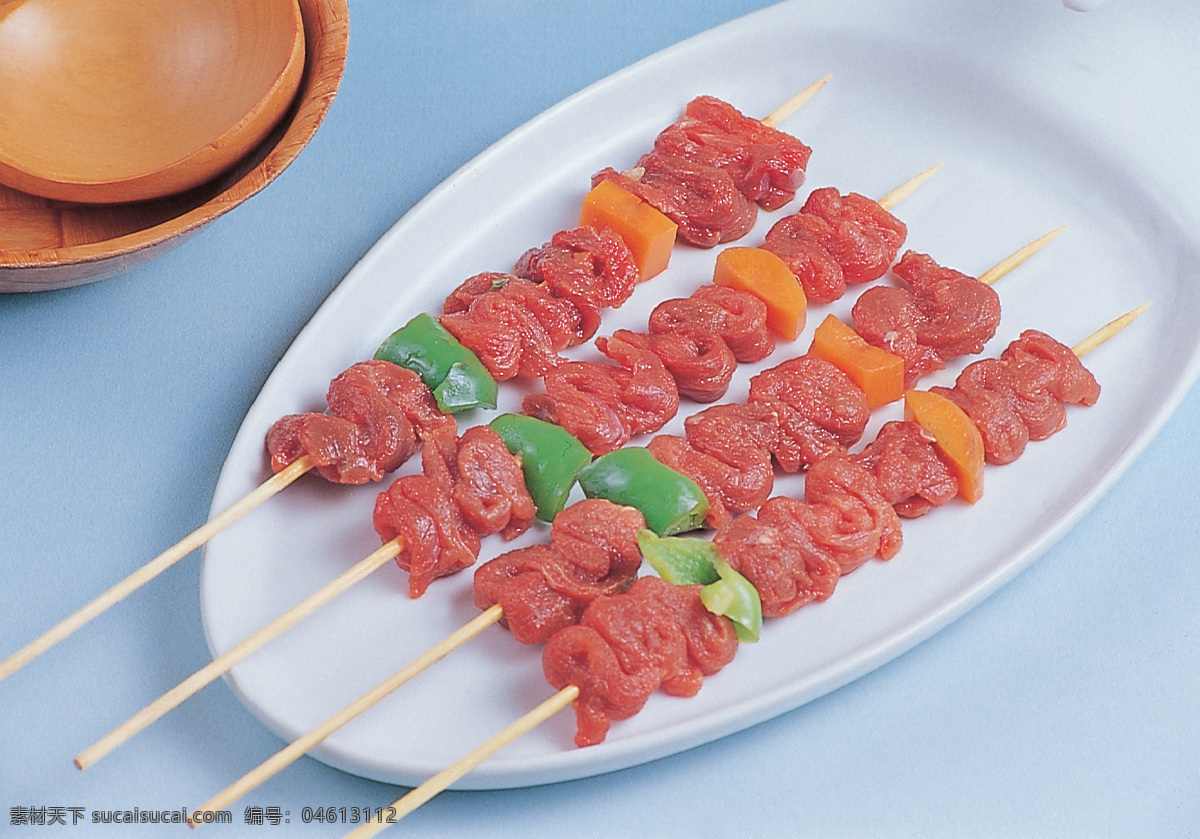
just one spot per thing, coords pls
(1065, 705)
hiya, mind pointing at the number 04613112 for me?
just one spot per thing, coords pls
(347, 815)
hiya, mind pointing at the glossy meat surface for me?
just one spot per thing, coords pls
(589, 266)
(516, 326)
(794, 551)
(1021, 395)
(939, 315)
(836, 239)
(436, 539)
(592, 551)
(727, 452)
(485, 481)
(767, 165)
(604, 405)
(820, 410)
(655, 635)
(911, 474)
(702, 200)
(378, 415)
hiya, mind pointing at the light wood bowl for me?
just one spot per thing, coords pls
(126, 100)
(47, 243)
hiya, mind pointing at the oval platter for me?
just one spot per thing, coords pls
(1014, 169)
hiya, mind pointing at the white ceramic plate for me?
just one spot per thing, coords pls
(1012, 172)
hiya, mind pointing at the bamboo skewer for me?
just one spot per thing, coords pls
(417, 796)
(907, 188)
(301, 745)
(1109, 330)
(1008, 263)
(364, 568)
(792, 105)
(154, 567)
(286, 756)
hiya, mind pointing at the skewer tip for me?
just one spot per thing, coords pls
(1009, 263)
(1107, 331)
(792, 105)
(908, 187)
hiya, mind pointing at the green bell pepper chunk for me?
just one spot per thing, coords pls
(736, 598)
(679, 560)
(686, 561)
(465, 388)
(670, 501)
(550, 456)
(456, 376)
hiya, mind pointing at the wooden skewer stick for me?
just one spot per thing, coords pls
(792, 105)
(907, 188)
(1005, 265)
(154, 567)
(219, 665)
(1107, 331)
(298, 747)
(419, 795)
(439, 782)
(1017, 257)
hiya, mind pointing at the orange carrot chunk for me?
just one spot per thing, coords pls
(768, 278)
(648, 233)
(878, 372)
(954, 434)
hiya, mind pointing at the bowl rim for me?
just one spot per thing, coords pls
(323, 71)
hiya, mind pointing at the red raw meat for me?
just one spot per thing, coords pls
(473, 287)
(627, 646)
(798, 240)
(700, 339)
(786, 572)
(836, 239)
(592, 267)
(702, 200)
(604, 405)
(821, 410)
(911, 474)
(593, 551)
(701, 365)
(437, 541)
(517, 327)
(378, 414)
(485, 481)
(738, 317)
(727, 453)
(766, 164)
(941, 314)
(794, 551)
(863, 523)
(1020, 396)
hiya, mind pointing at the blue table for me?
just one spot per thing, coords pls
(1065, 705)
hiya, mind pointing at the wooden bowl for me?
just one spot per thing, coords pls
(47, 243)
(104, 101)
